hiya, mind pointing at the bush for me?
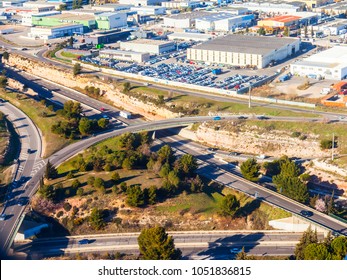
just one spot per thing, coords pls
(80, 192)
(296, 134)
(67, 206)
(326, 144)
(303, 137)
(60, 213)
(75, 184)
(69, 175)
(90, 180)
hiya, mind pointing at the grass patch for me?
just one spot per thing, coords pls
(69, 55)
(324, 130)
(34, 109)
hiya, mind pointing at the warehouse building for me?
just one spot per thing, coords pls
(269, 7)
(148, 46)
(106, 37)
(141, 2)
(110, 20)
(149, 10)
(88, 21)
(188, 36)
(125, 55)
(52, 32)
(223, 22)
(110, 7)
(329, 64)
(241, 50)
(279, 21)
(185, 20)
(180, 4)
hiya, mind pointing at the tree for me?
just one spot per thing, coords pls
(312, 32)
(316, 252)
(292, 187)
(5, 55)
(339, 247)
(152, 195)
(103, 123)
(320, 205)
(75, 184)
(286, 31)
(80, 192)
(51, 171)
(96, 219)
(99, 183)
(76, 69)
(229, 205)
(330, 204)
(90, 180)
(308, 237)
(188, 164)
(155, 244)
(326, 144)
(47, 191)
(85, 126)
(135, 196)
(261, 31)
(71, 41)
(166, 155)
(250, 170)
(115, 176)
(247, 29)
(305, 30)
(126, 87)
(3, 81)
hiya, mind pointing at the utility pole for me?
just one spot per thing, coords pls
(249, 96)
(332, 147)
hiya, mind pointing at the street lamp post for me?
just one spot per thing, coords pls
(249, 96)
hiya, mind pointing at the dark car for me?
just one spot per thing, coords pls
(83, 241)
(242, 117)
(306, 213)
(2, 217)
(29, 151)
(262, 118)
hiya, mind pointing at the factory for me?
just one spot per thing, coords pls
(52, 32)
(180, 4)
(185, 20)
(149, 10)
(110, 20)
(328, 64)
(239, 50)
(141, 2)
(106, 37)
(223, 22)
(189, 36)
(268, 7)
(279, 21)
(138, 57)
(148, 46)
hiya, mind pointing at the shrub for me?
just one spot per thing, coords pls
(326, 144)
(67, 206)
(69, 175)
(296, 134)
(303, 137)
(75, 184)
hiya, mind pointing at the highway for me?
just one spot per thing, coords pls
(194, 245)
(30, 162)
(212, 167)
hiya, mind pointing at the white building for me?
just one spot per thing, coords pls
(110, 20)
(329, 64)
(6, 30)
(149, 10)
(109, 7)
(188, 36)
(27, 17)
(125, 55)
(148, 46)
(268, 7)
(186, 20)
(55, 31)
(223, 22)
(141, 2)
(9, 3)
(180, 4)
(243, 50)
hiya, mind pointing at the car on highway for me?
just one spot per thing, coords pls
(262, 118)
(2, 217)
(212, 149)
(233, 154)
(217, 118)
(2, 100)
(83, 241)
(29, 151)
(235, 250)
(306, 213)
(242, 118)
(22, 201)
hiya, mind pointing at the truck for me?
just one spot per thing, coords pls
(284, 78)
(125, 114)
(216, 71)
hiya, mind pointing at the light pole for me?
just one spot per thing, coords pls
(332, 147)
(249, 96)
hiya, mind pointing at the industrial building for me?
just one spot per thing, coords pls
(149, 10)
(141, 2)
(110, 7)
(328, 64)
(9, 3)
(125, 55)
(223, 22)
(244, 51)
(110, 20)
(279, 21)
(106, 37)
(148, 46)
(188, 36)
(185, 20)
(88, 21)
(67, 3)
(269, 7)
(180, 4)
(55, 31)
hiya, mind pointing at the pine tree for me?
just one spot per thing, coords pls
(51, 171)
(308, 237)
(155, 244)
(250, 170)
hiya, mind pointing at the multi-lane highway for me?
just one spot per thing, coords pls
(29, 162)
(194, 245)
(214, 168)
